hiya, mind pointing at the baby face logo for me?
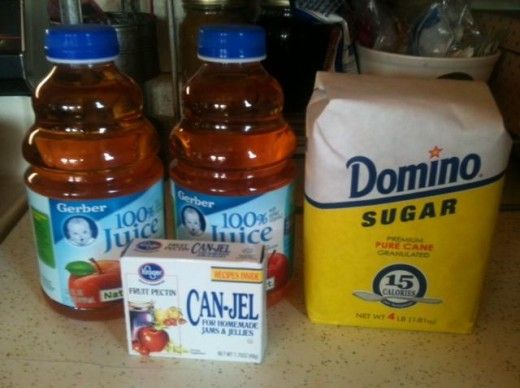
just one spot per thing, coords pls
(80, 231)
(193, 221)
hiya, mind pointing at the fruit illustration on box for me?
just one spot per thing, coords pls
(172, 316)
(154, 336)
(93, 283)
(277, 270)
(152, 340)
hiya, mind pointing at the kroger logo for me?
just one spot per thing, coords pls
(151, 272)
(148, 245)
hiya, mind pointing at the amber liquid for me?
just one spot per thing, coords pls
(233, 139)
(90, 140)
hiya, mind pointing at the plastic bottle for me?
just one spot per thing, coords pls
(94, 181)
(232, 173)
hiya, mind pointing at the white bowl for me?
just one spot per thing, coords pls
(390, 64)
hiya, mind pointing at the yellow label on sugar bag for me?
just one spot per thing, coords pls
(402, 182)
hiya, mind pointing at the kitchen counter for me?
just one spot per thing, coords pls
(41, 348)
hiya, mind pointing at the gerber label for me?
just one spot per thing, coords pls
(265, 219)
(402, 186)
(79, 242)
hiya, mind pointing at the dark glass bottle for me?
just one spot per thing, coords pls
(296, 49)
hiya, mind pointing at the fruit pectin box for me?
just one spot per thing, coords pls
(195, 299)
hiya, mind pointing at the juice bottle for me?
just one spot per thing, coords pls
(232, 173)
(94, 182)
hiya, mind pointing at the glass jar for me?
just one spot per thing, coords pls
(296, 49)
(141, 315)
(199, 13)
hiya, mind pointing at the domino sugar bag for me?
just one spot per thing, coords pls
(403, 180)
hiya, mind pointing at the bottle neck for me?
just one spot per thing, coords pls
(276, 11)
(83, 73)
(246, 67)
(243, 62)
(215, 6)
(84, 66)
(82, 62)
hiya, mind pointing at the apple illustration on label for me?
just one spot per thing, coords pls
(93, 283)
(139, 348)
(151, 339)
(277, 271)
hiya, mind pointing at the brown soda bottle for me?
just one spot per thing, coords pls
(95, 181)
(232, 174)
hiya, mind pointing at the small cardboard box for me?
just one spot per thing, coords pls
(190, 299)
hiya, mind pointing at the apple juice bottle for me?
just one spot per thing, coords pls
(94, 180)
(232, 173)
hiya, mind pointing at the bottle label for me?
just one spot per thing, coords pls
(255, 219)
(79, 242)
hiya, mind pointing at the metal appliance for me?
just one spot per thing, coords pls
(22, 65)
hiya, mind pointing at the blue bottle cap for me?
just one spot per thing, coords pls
(81, 43)
(231, 43)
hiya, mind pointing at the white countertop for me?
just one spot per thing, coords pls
(41, 348)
